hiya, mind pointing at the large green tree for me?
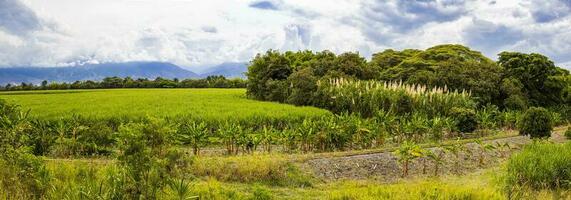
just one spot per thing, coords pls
(267, 73)
(540, 81)
(454, 66)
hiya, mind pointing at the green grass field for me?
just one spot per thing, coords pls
(201, 103)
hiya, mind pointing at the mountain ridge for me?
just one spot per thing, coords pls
(135, 69)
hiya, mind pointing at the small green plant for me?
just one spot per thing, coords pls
(181, 189)
(456, 149)
(407, 151)
(536, 123)
(437, 157)
(483, 148)
(568, 133)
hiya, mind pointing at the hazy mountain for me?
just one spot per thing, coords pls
(228, 69)
(149, 70)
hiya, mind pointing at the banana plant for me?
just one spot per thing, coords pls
(193, 134)
(437, 158)
(436, 129)
(267, 136)
(406, 152)
(229, 133)
(306, 132)
(483, 147)
(456, 150)
(289, 138)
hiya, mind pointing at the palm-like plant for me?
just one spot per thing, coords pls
(437, 158)
(456, 150)
(406, 152)
(193, 134)
(230, 132)
(181, 189)
(437, 125)
(267, 136)
(483, 148)
(306, 132)
(487, 116)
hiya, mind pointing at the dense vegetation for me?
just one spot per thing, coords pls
(85, 123)
(421, 107)
(150, 163)
(128, 82)
(516, 81)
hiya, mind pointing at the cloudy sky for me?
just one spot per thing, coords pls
(198, 33)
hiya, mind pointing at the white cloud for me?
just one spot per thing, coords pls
(196, 33)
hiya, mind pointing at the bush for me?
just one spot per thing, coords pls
(539, 166)
(465, 119)
(568, 133)
(536, 122)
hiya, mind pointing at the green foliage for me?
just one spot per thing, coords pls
(568, 133)
(465, 119)
(269, 169)
(266, 72)
(536, 122)
(537, 76)
(453, 66)
(194, 134)
(292, 76)
(523, 79)
(405, 153)
(23, 176)
(303, 86)
(540, 165)
(143, 149)
(261, 193)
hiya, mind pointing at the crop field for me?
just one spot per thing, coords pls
(201, 103)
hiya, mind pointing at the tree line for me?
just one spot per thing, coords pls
(516, 81)
(128, 82)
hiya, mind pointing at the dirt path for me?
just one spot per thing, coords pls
(385, 167)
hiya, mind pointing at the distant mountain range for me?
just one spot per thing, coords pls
(151, 70)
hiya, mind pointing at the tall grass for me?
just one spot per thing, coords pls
(539, 166)
(368, 97)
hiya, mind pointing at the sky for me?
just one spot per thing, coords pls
(199, 33)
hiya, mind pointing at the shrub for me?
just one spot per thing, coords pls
(568, 133)
(536, 122)
(539, 166)
(465, 119)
